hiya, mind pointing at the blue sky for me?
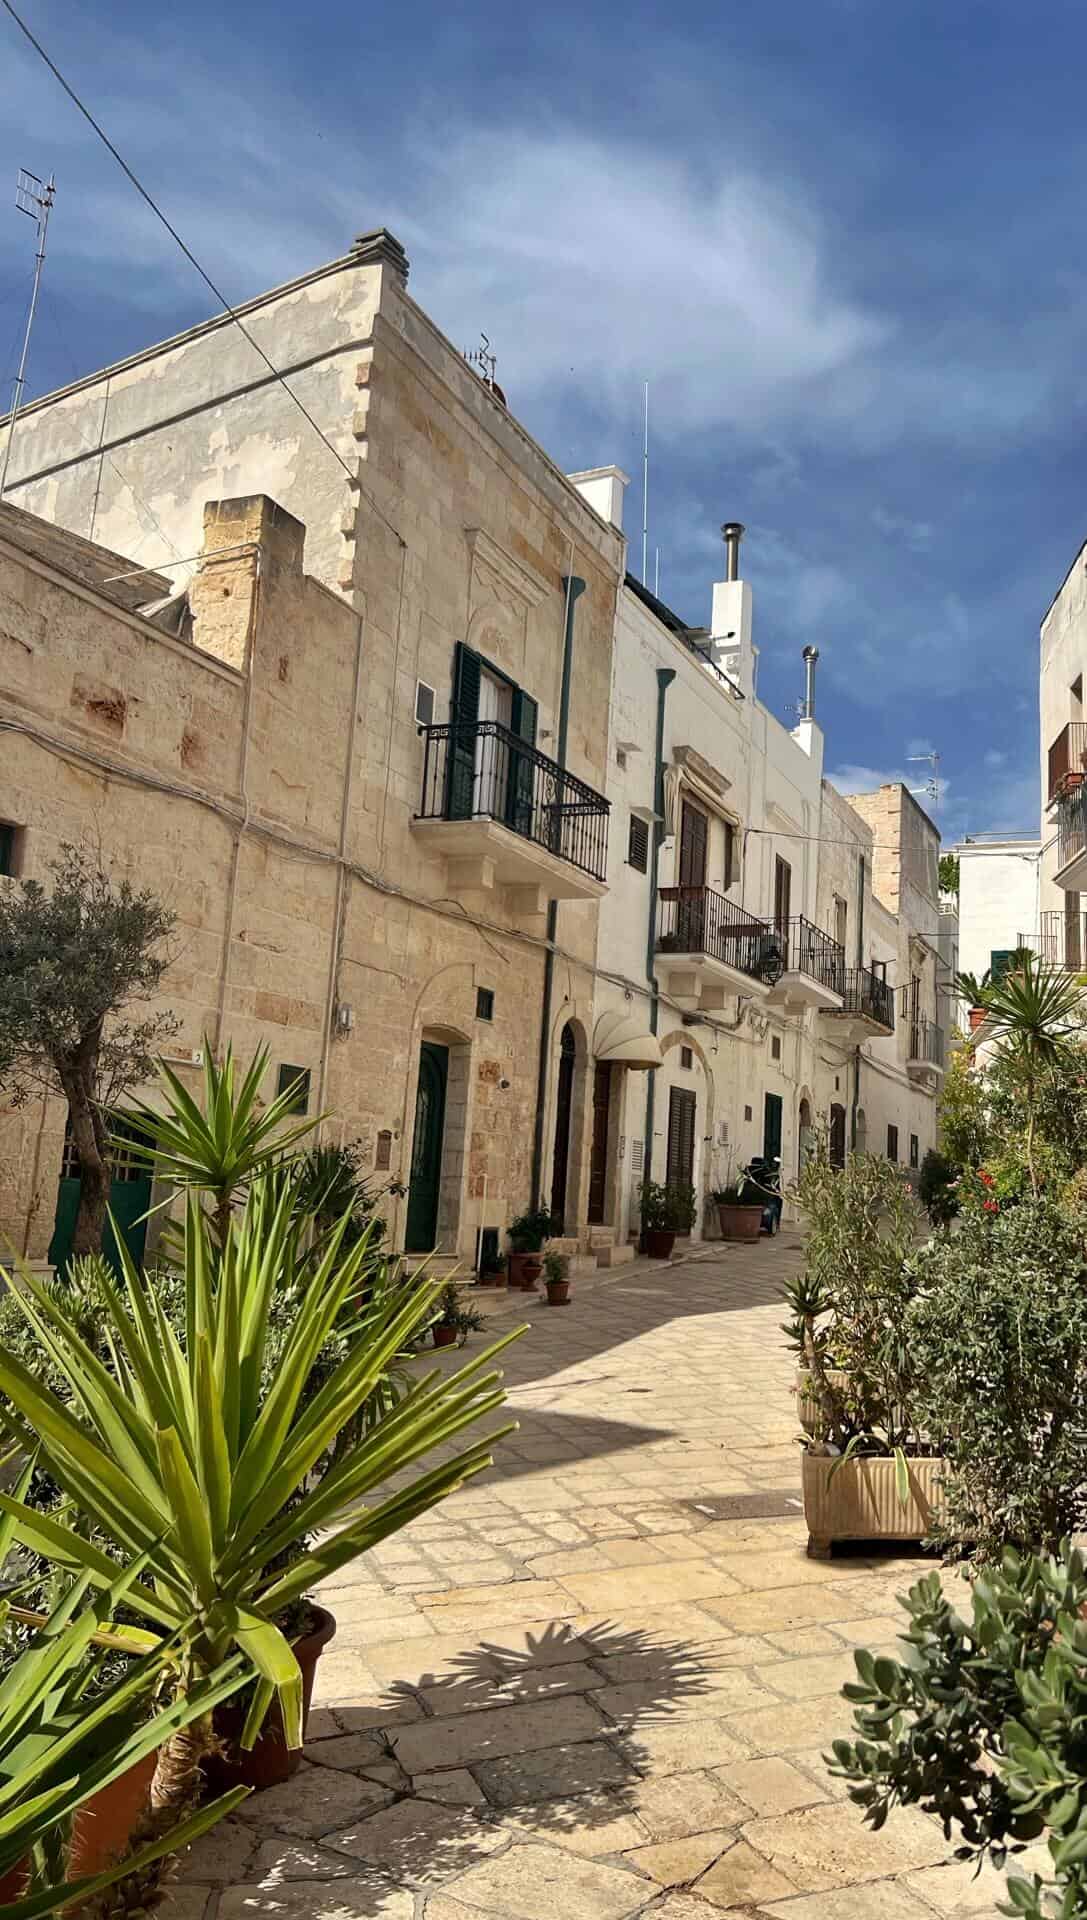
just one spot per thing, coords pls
(843, 242)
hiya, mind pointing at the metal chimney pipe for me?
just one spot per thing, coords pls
(810, 656)
(732, 533)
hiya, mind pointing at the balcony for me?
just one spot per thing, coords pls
(812, 968)
(502, 813)
(926, 1044)
(711, 948)
(1067, 760)
(867, 1009)
(1071, 871)
(1060, 942)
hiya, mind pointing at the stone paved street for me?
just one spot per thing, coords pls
(597, 1683)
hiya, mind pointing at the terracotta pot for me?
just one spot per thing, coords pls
(740, 1223)
(102, 1829)
(659, 1242)
(271, 1761)
(558, 1293)
(443, 1336)
(525, 1269)
(977, 1015)
(860, 1500)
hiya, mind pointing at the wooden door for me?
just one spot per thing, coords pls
(691, 906)
(564, 1100)
(426, 1153)
(681, 1119)
(837, 1135)
(771, 1127)
(598, 1165)
(783, 889)
(129, 1200)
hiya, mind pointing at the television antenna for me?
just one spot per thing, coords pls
(35, 198)
(932, 785)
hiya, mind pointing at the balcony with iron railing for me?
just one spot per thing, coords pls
(926, 1042)
(813, 967)
(710, 947)
(1067, 760)
(867, 1010)
(1071, 871)
(1060, 942)
(504, 811)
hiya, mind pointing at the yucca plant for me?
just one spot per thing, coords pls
(64, 1737)
(225, 1149)
(216, 1470)
(1036, 1011)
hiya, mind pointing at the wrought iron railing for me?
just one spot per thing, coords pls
(1068, 759)
(1071, 825)
(868, 996)
(1061, 940)
(698, 920)
(927, 1041)
(807, 949)
(482, 771)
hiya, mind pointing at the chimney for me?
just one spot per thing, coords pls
(381, 248)
(810, 656)
(732, 533)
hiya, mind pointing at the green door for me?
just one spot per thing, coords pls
(771, 1127)
(129, 1199)
(426, 1151)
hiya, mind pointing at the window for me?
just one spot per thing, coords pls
(892, 1143)
(638, 844)
(681, 1131)
(686, 1057)
(1000, 959)
(915, 1151)
(11, 848)
(484, 1003)
(294, 1080)
(775, 1047)
(783, 887)
(424, 703)
(841, 919)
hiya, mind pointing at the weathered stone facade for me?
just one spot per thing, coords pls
(314, 912)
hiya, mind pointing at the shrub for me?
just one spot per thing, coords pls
(983, 1724)
(998, 1338)
(528, 1232)
(668, 1209)
(849, 1306)
(936, 1188)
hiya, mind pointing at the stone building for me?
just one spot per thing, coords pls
(423, 709)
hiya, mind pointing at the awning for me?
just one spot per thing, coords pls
(622, 1038)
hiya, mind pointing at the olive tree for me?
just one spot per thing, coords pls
(77, 958)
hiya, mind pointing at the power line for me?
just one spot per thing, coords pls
(191, 258)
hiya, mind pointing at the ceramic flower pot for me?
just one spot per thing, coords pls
(740, 1223)
(525, 1269)
(659, 1242)
(270, 1761)
(859, 1499)
(101, 1830)
(442, 1335)
(558, 1293)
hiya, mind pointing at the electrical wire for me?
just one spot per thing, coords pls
(192, 259)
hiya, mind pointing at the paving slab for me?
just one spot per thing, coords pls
(530, 1881)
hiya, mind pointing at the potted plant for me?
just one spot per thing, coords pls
(492, 1270)
(982, 1724)
(526, 1236)
(740, 1216)
(557, 1279)
(207, 1454)
(869, 1469)
(666, 1212)
(454, 1321)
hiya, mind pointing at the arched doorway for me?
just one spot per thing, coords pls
(564, 1101)
(805, 1138)
(424, 1185)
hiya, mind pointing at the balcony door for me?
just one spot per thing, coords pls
(691, 907)
(492, 753)
(681, 1123)
(783, 891)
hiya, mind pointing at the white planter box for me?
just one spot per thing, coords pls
(860, 1500)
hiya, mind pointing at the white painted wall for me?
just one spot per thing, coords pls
(999, 883)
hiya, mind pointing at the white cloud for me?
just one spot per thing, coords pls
(916, 534)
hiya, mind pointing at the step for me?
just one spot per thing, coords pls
(601, 1236)
(613, 1256)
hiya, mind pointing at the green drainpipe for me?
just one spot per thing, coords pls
(665, 677)
(574, 587)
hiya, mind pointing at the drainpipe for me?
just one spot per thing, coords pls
(665, 677)
(860, 963)
(574, 587)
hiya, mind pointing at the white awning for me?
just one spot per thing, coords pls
(622, 1038)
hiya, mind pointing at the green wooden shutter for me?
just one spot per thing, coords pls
(464, 718)
(522, 776)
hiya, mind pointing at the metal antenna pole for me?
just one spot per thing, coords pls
(657, 575)
(645, 490)
(932, 784)
(34, 198)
